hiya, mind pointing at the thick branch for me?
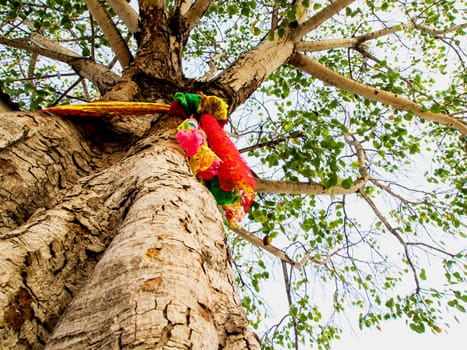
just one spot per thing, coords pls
(159, 43)
(126, 13)
(46, 52)
(328, 44)
(50, 45)
(247, 73)
(195, 13)
(98, 74)
(111, 32)
(244, 76)
(327, 75)
(182, 6)
(292, 187)
(320, 17)
(320, 45)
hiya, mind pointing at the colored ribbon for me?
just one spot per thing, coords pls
(212, 155)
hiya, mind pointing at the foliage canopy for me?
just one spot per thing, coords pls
(364, 198)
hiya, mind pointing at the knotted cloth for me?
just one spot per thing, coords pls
(213, 157)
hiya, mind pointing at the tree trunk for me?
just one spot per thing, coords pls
(165, 281)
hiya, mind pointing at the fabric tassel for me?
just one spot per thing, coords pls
(233, 170)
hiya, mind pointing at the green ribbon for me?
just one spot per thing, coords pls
(190, 102)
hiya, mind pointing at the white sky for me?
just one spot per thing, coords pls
(396, 335)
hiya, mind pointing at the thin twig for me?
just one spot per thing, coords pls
(250, 237)
(289, 300)
(396, 234)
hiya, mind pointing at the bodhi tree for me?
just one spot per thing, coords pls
(351, 115)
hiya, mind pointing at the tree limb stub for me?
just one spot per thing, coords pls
(327, 75)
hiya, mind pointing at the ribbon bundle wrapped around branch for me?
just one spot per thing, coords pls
(212, 155)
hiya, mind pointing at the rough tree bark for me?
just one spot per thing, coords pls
(164, 282)
(71, 186)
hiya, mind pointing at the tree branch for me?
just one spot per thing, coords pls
(269, 143)
(259, 243)
(195, 13)
(320, 45)
(111, 32)
(429, 246)
(285, 274)
(244, 76)
(439, 32)
(182, 6)
(42, 46)
(275, 16)
(320, 17)
(327, 75)
(212, 67)
(126, 13)
(250, 237)
(292, 187)
(159, 43)
(392, 193)
(396, 234)
(98, 74)
(247, 73)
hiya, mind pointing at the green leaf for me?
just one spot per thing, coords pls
(422, 275)
(347, 183)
